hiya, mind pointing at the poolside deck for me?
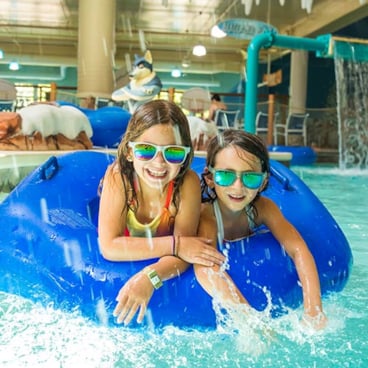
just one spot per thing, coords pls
(14, 159)
(327, 155)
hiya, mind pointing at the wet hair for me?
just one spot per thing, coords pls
(145, 116)
(237, 138)
(216, 97)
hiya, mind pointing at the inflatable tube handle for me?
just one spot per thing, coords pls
(49, 168)
(281, 178)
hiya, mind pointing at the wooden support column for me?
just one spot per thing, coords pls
(96, 48)
(298, 81)
(271, 114)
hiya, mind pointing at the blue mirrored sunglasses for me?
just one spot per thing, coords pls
(225, 178)
(148, 151)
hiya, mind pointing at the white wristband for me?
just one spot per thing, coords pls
(153, 277)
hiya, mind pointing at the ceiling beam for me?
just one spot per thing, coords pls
(58, 46)
(328, 17)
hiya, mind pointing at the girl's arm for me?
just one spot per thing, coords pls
(190, 247)
(134, 296)
(297, 249)
(112, 222)
(186, 225)
(214, 280)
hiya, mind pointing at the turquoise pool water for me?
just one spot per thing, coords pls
(36, 336)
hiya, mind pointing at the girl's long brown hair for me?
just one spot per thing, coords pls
(147, 115)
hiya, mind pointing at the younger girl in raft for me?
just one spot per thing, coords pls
(237, 172)
(150, 205)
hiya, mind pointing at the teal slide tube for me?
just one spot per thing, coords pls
(268, 40)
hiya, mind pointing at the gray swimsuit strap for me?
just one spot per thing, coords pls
(220, 224)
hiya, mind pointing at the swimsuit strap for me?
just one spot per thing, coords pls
(170, 190)
(166, 225)
(161, 225)
(220, 224)
(250, 216)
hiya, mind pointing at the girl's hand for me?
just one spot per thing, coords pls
(133, 298)
(317, 322)
(199, 251)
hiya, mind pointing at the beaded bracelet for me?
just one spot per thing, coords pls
(177, 247)
(173, 245)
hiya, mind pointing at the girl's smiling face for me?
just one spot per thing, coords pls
(157, 173)
(235, 197)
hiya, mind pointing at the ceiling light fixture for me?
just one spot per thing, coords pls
(217, 32)
(14, 65)
(199, 50)
(176, 73)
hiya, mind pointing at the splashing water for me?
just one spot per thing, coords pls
(35, 336)
(38, 336)
(351, 70)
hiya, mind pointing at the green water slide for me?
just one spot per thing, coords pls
(322, 46)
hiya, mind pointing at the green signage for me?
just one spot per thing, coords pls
(244, 29)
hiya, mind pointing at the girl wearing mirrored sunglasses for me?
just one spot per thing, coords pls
(150, 205)
(236, 174)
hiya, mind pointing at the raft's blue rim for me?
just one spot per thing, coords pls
(301, 155)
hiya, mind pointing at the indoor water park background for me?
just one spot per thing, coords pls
(36, 334)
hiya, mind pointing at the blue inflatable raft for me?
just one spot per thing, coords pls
(108, 124)
(49, 248)
(301, 155)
